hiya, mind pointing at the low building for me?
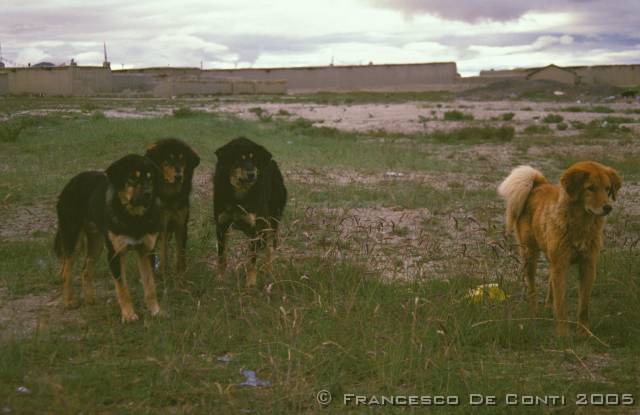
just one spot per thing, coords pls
(554, 73)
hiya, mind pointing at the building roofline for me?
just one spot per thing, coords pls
(282, 67)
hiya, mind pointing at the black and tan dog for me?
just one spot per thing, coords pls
(117, 208)
(177, 162)
(249, 193)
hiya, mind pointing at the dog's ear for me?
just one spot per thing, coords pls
(153, 153)
(263, 156)
(158, 178)
(572, 181)
(193, 160)
(616, 183)
(115, 173)
(222, 153)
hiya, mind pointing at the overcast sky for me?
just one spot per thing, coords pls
(480, 34)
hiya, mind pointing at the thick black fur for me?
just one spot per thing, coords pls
(175, 156)
(89, 207)
(90, 202)
(265, 198)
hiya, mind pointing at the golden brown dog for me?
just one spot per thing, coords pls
(565, 223)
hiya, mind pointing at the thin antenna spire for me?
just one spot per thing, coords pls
(106, 63)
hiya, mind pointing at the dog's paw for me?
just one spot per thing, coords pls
(155, 310)
(252, 277)
(89, 297)
(71, 304)
(129, 316)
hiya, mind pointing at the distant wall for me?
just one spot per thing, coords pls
(169, 86)
(4, 83)
(618, 75)
(349, 78)
(45, 81)
(126, 82)
(91, 81)
(60, 81)
(553, 73)
(505, 73)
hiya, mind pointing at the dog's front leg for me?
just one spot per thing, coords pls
(148, 282)
(222, 227)
(558, 275)
(587, 269)
(118, 269)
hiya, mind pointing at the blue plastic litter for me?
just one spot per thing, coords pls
(252, 379)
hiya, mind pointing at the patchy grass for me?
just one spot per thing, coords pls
(456, 115)
(328, 316)
(594, 108)
(537, 129)
(341, 98)
(553, 118)
(184, 112)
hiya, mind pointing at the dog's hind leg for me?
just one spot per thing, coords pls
(164, 242)
(548, 302)
(94, 249)
(181, 241)
(587, 268)
(67, 279)
(270, 242)
(558, 272)
(257, 243)
(529, 257)
(69, 259)
(148, 283)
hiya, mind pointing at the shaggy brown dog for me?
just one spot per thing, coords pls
(177, 161)
(565, 223)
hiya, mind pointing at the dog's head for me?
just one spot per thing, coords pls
(175, 158)
(135, 180)
(243, 161)
(592, 184)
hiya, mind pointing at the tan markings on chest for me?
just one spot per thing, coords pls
(237, 216)
(123, 242)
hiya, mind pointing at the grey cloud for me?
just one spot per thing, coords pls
(595, 12)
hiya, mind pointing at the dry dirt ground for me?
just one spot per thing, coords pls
(399, 242)
(414, 117)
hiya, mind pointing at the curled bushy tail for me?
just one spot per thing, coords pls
(516, 188)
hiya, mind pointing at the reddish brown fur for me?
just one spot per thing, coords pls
(565, 223)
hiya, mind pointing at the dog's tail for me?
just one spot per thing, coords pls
(516, 188)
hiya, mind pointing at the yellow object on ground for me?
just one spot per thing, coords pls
(490, 292)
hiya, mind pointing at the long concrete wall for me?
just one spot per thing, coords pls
(164, 82)
(350, 78)
(4, 83)
(91, 81)
(40, 81)
(618, 75)
(59, 81)
(615, 75)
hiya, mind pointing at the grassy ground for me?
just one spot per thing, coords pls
(383, 237)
